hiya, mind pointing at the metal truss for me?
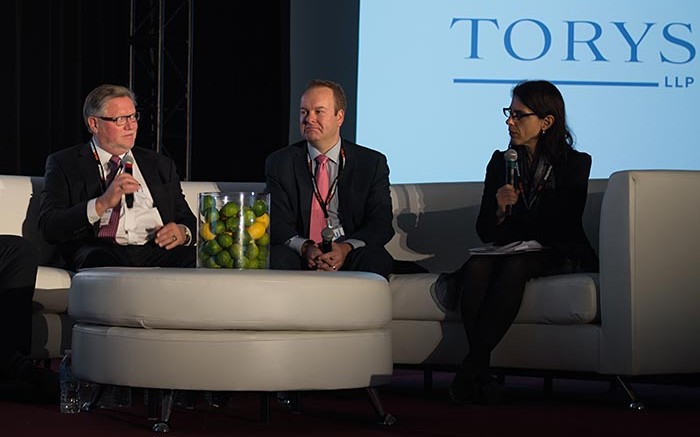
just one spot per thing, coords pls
(161, 49)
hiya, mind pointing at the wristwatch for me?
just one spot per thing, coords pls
(188, 235)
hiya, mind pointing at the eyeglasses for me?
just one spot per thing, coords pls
(517, 115)
(121, 121)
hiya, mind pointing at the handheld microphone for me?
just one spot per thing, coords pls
(128, 162)
(511, 158)
(326, 240)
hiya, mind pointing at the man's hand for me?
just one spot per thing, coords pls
(335, 259)
(170, 236)
(123, 183)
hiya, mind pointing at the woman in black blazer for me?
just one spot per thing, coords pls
(537, 193)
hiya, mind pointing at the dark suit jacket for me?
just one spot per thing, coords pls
(363, 190)
(556, 222)
(72, 178)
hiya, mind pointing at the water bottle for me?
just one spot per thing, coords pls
(70, 387)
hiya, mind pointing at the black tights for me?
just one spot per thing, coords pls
(492, 290)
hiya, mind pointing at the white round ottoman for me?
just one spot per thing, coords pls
(231, 330)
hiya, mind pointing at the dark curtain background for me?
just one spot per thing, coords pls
(56, 51)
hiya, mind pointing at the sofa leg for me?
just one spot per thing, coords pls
(265, 407)
(165, 400)
(635, 404)
(547, 385)
(384, 418)
(427, 379)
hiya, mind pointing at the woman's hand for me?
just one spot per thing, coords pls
(505, 196)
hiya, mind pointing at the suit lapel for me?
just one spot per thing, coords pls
(344, 187)
(303, 181)
(148, 166)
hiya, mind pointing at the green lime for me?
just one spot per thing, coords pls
(248, 217)
(236, 250)
(210, 215)
(207, 202)
(251, 263)
(224, 258)
(230, 209)
(218, 227)
(241, 236)
(240, 263)
(212, 247)
(264, 240)
(224, 240)
(232, 224)
(203, 256)
(259, 207)
(211, 263)
(229, 263)
(251, 250)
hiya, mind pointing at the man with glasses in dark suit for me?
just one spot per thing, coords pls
(108, 203)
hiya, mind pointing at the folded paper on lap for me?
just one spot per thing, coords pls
(514, 247)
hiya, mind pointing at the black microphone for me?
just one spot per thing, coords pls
(511, 157)
(128, 163)
(326, 240)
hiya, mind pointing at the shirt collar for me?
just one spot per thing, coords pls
(333, 153)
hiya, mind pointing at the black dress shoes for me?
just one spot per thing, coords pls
(22, 381)
(486, 390)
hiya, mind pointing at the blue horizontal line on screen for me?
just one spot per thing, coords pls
(562, 82)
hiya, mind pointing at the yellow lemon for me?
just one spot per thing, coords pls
(264, 219)
(205, 232)
(256, 230)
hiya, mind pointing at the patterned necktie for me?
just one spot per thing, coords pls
(318, 219)
(110, 229)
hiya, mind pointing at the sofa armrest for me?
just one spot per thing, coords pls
(649, 273)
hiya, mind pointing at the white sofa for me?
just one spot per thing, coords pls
(637, 317)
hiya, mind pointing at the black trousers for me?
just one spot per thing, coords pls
(363, 259)
(491, 292)
(18, 267)
(105, 253)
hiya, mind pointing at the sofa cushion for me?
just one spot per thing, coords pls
(51, 292)
(559, 300)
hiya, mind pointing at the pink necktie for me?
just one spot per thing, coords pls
(110, 229)
(318, 219)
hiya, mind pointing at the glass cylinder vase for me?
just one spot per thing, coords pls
(233, 230)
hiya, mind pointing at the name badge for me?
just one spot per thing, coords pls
(104, 220)
(338, 232)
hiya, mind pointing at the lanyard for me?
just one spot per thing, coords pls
(100, 168)
(533, 194)
(103, 178)
(331, 189)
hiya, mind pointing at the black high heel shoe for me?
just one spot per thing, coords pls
(486, 390)
(489, 390)
(459, 396)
